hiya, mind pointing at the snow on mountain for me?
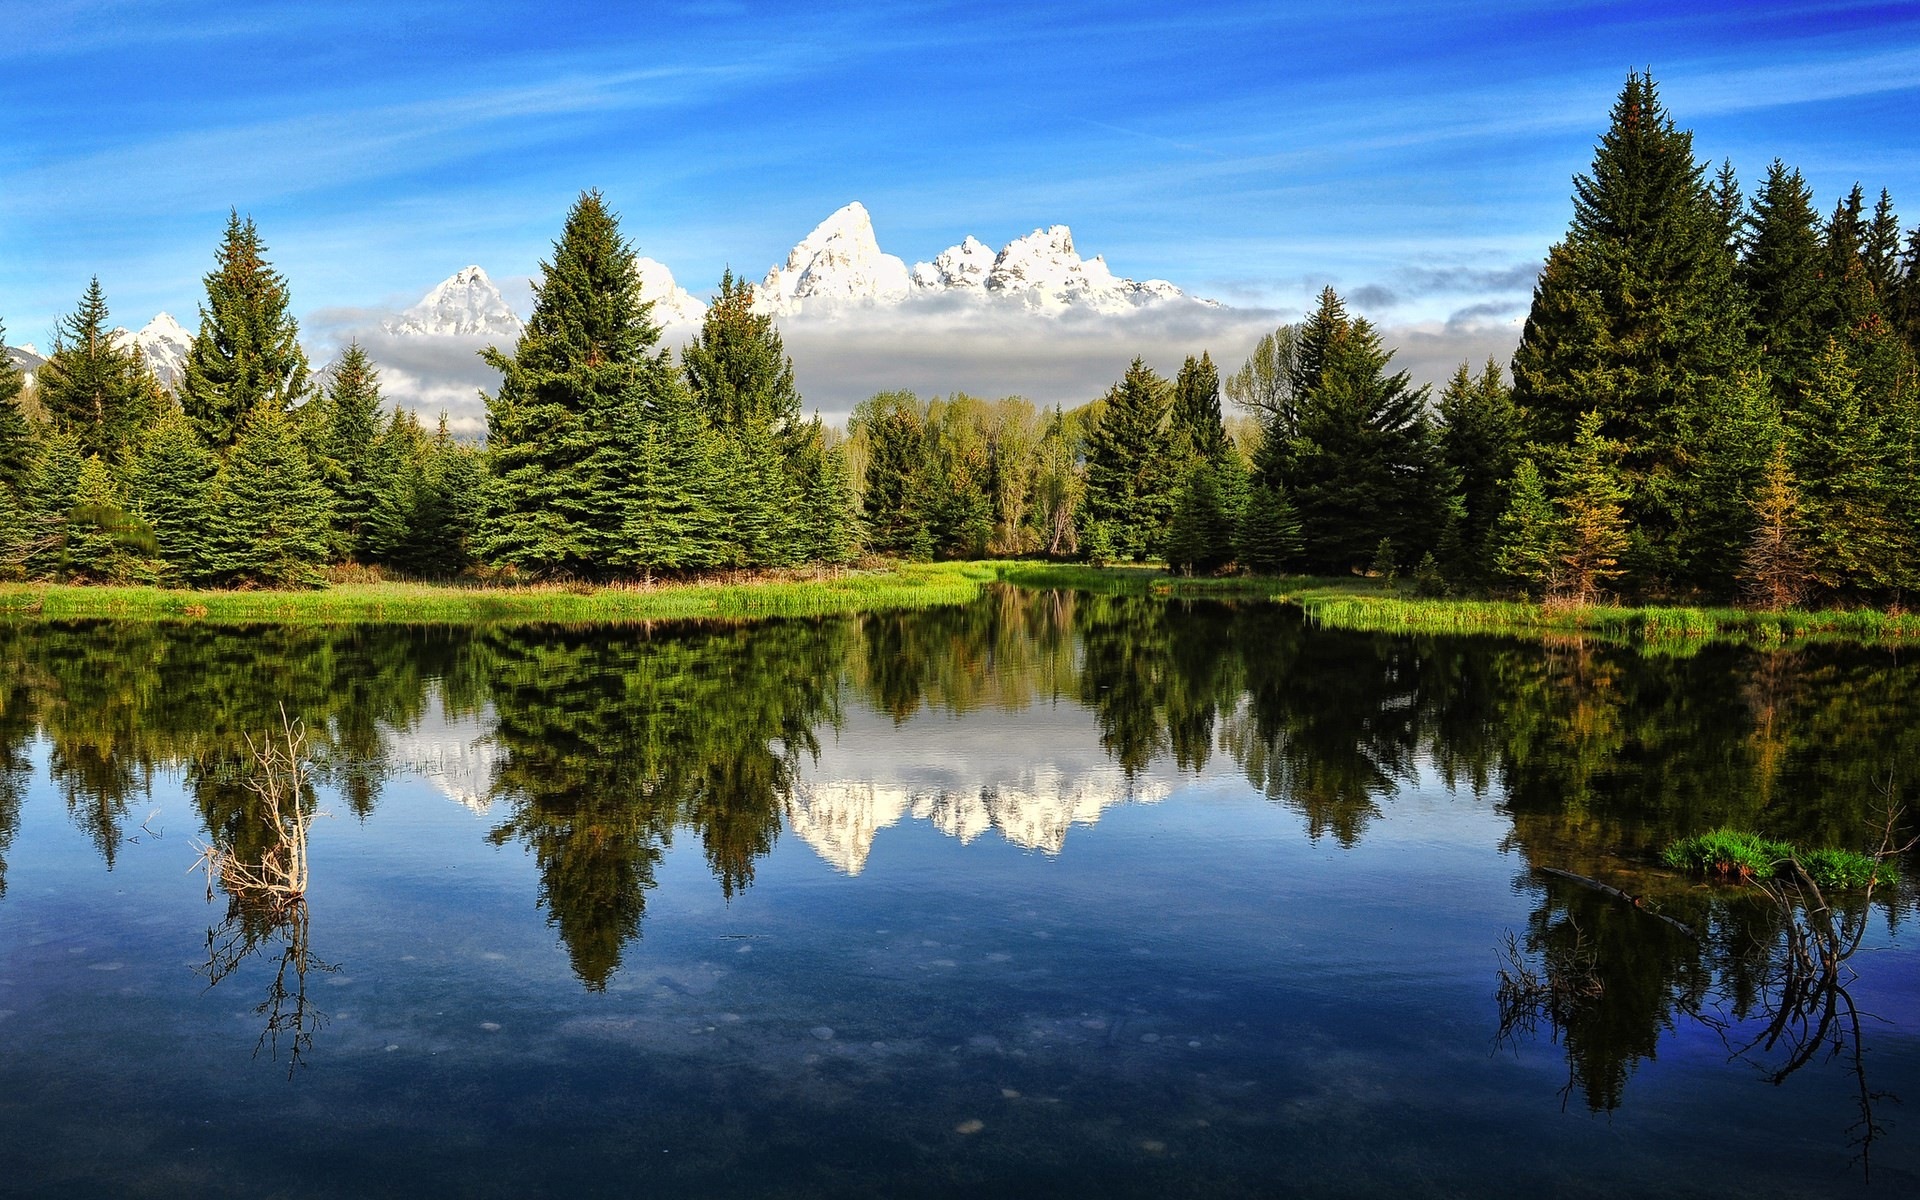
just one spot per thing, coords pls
(454, 755)
(839, 818)
(27, 358)
(672, 304)
(838, 265)
(464, 305)
(164, 343)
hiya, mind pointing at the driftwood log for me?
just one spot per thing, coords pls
(1607, 889)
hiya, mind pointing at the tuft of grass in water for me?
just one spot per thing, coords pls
(1737, 854)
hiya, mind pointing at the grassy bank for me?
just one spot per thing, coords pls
(1340, 603)
(908, 585)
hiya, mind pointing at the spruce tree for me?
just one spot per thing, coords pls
(1849, 301)
(103, 542)
(271, 516)
(1781, 268)
(896, 462)
(1267, 538)
(1531, 534)
(737, 367)
(1129, 464)
(825, 501)
(1592, 502)
(395, 478)
(1364, 464)
(1480, 440)
(560, 427)
(17, 439)
(52, 489)
(1881, 250)
(247, 352)
(172, 491)
(1200, 538)
(1839, 452)
(102, 394)
(1774, 573)
(1197, 428)
(1636, 316)
(352, 426)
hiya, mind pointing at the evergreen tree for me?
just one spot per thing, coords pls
(1882, 250)
(825, 502)
(352, 425)
(1480, 440)
(1531, 534)
(103, 543)
(1201, 536)
(17, 439)
(1267, 538)
(896, 462)
(247, 352)
(102, 394)
(1129, 481)
(1839, 453)
(737, 366)
(1848, 298)
(447, 511)
(1905, 310)
(1196, 425)
(270, 515)
(1592, 500)
(52, 489)
(1363, 464)
(1774, 572)
(560, 428)
(172, 490)
(395, 475)
(1781, 268)
(1636, 316)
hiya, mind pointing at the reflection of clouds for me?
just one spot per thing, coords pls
(456, 755)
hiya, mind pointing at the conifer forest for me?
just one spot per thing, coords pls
(1715, 396)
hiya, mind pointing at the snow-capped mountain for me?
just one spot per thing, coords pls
(673, 305)
(164, 343)
(838, 265)
(467, 304)
(26, 358)
(464, 305)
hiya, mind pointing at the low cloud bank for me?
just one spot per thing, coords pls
(934, 347)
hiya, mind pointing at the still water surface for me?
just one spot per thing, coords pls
(1050, 895)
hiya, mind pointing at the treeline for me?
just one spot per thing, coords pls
(1713, 395)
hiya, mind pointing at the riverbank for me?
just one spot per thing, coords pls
(1352, 603)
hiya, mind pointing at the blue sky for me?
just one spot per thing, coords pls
(1418, 155)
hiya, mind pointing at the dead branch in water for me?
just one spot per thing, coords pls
(1605, 889)
(278, 877)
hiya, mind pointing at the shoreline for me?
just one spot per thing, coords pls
(1354, 604)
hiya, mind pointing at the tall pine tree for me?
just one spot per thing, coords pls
(247, 352)
(271, 516)
(560, 427)
(1198, 430)
(352, 426)
(17, 440)
(1781, 267)
(1130, 479)
(98, 391)
(1480, 440)
(1636, 317)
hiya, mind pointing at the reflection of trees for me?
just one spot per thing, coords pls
(613, 739)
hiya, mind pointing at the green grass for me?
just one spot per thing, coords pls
(1339, 603)
(1737, 854)
(908, 585)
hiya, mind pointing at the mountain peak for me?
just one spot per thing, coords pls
(465, 304)
(164, 343)
(838, 264)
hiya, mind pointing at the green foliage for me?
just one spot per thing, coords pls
(103, 543)
(1201, 538)
(561, 427)
(737, 367)
(1637, 316)
(1129, 474)
(52, 490)
(347, 458)
(1774, 573)
(247, 352)
(271, 516)
(1194, 423)
(896, 439)
(171, 490)
(1839, 451)
(1384, 565)
(1738, 854)
(1363, 463)
(17, 437)
(91, 388)
(1781, 268)
(1480, 442)
(1267, 538)
(1531, 534)
(1592, 499)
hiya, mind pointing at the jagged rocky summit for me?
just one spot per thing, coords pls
(164, 343)
(468, 304)
(840, 265)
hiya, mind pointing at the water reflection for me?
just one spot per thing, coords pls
(593, 748)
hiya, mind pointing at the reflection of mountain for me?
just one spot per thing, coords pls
(456, 756)
(840, 817)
